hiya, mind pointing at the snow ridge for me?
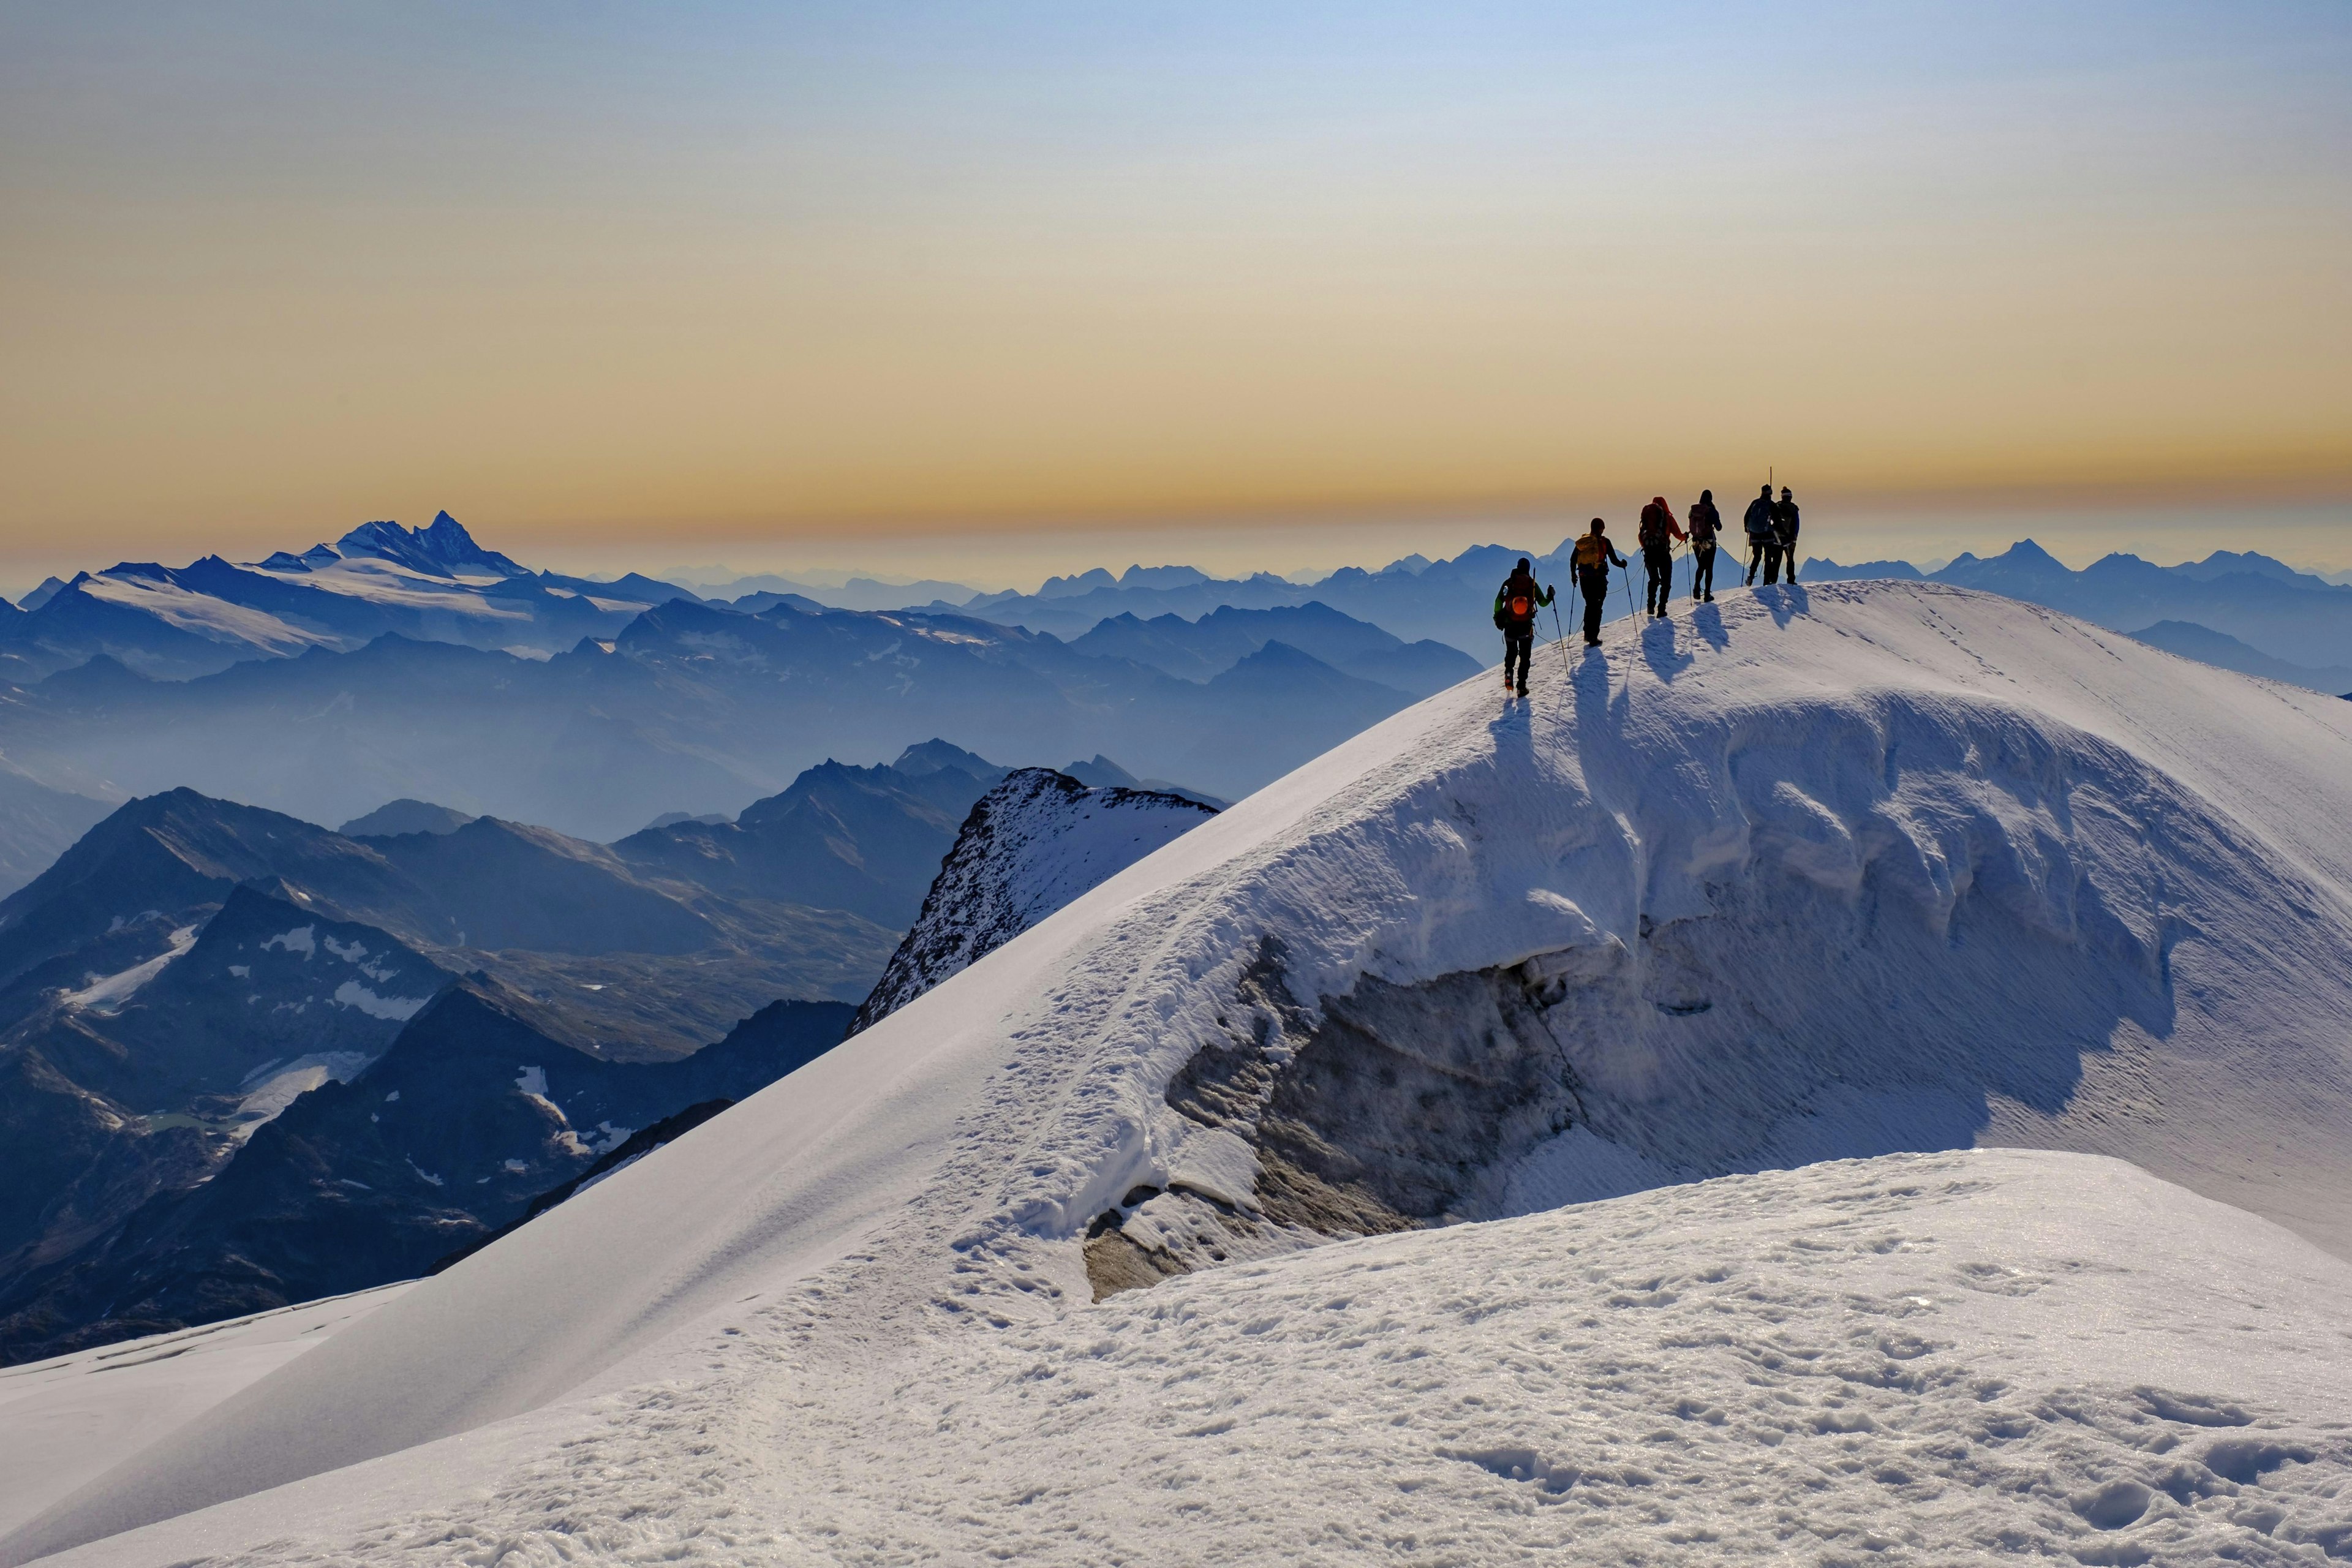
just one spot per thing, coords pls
(1037, 841)
(1823, 871)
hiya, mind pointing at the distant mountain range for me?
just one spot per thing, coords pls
(2207, 646)
(432, 584)
(1416, 600)
(378, 669)
(2290, 625)
(379, 1167)
(2299, 622)
(690, 706)
(192, 968)
(247, 1061)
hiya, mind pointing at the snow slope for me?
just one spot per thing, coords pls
(1819, 872)
(1036, 841)
(64, 1422)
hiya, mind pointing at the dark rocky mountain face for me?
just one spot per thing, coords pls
(130, 882)
(193, 966)
(450, 1134)
(509, 885)
(441, 549)
(864, 839)
(264, 983)
(148, 1079)
(1030, 845)
(614, 957)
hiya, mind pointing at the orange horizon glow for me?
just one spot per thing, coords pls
(729, 274)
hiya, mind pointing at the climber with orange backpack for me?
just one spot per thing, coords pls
(1591, 561)
(1515, 615)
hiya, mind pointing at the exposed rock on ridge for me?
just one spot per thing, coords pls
(1036, 841)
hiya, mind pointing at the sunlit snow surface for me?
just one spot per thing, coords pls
(1948, 870)
(1960, 1357)
(108, 994)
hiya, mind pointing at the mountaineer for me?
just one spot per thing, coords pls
(1763, 546)
(1658, 534)
(1515, 614)
(1705, 525)
(1784, 531)
(1591, 561)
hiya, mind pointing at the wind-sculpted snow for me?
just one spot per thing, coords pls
(1818, 872)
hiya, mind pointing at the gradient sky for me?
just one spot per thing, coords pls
(947, 283)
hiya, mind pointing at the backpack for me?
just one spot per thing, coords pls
(1515, 610)
(1591, 553)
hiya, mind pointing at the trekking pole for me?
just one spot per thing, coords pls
(1561, 641)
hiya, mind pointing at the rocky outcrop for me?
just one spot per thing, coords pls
(1033, 844)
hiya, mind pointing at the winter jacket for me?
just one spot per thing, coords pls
(1659, 531)
(1784, 523)
(1706, 523)
(1759, 521)
(1516, 605)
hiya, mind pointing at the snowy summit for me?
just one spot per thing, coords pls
(1854, 1074)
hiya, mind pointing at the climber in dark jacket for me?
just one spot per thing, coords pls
(1706, 527)
(1763, 548)
(1591, 561)
(1659, 533)
(1515, 612)
(1784, 531)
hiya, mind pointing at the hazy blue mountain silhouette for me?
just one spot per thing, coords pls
(2261, 602)
(691, 707)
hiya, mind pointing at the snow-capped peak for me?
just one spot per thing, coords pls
(442, 549)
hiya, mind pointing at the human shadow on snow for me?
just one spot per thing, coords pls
(1662, 654)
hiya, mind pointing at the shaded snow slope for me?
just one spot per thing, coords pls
(1033, 843)
(1818, 871)
(67, 1421)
